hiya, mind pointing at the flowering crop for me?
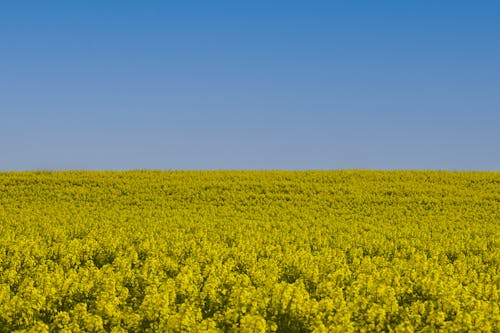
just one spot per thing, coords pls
(249, 251)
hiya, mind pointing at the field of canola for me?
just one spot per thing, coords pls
(249, 251)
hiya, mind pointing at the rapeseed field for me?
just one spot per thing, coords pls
(250, 251)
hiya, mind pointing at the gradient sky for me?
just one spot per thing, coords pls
(250, 85)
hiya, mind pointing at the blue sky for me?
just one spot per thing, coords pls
(250, 85)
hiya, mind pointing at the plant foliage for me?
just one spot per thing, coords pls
(249, 251)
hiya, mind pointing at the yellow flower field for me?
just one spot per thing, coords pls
(249, 251)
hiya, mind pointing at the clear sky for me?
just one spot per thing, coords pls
(250, 85)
